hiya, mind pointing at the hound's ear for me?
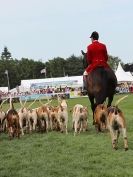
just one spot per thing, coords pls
(83, 53)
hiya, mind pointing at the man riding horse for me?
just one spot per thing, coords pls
(99, 79)
(96, 54)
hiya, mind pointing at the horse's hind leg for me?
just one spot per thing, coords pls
(110, 99)
(93, 106)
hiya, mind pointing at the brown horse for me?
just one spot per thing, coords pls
(100, 84)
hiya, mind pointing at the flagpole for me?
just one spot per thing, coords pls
(45, 73)
(6, 72)
(64, 72)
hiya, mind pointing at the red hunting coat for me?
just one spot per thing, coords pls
(96, 56)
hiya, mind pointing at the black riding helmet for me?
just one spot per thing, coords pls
(95, 35)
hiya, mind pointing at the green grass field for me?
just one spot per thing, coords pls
(58, 155)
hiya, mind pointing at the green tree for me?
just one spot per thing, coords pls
(6, 55)
(74, 66)
(114, 61)
(129, 67)
(56, 67)
(30, 69)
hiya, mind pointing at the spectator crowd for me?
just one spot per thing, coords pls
(121, 88)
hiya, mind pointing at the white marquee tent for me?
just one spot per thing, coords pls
(3, 89)
(123, 76)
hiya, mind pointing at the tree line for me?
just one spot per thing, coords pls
(30, 69)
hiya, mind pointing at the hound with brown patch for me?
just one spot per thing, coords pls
(12, 118)
(116, 124)
(13, 126)
(53, 118)
(43, 118)
(100, 117)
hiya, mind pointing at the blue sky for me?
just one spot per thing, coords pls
(44, 29)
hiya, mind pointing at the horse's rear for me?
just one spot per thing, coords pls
(101, 83)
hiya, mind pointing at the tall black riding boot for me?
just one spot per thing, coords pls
(84, 83)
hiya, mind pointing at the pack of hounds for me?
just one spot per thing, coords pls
(55, 118)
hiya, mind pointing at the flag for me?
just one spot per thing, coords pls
(6, 71)
(43, 71)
